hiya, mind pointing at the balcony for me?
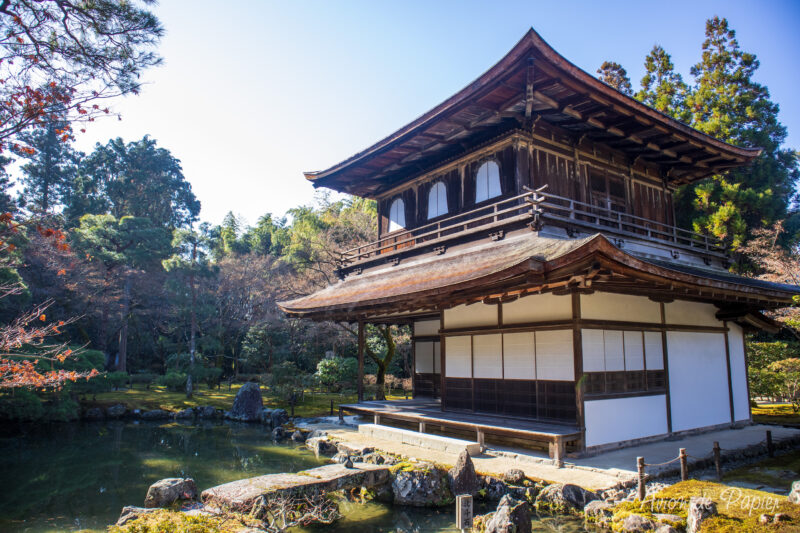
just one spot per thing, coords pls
(536, 208)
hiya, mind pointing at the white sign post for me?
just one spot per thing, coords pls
(464, 512)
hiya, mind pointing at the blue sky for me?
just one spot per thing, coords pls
(253, 93)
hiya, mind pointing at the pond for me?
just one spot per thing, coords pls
(68, 477)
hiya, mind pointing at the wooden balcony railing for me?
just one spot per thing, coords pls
(534, 206)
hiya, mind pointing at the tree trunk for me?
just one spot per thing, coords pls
(193, 327)
(122, 363)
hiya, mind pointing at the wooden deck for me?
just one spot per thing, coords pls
(425, 412)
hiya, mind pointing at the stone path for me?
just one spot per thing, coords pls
(242, 495)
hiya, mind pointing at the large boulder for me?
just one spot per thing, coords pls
(422, 485)
(129, 512)
(599, 512)
(116, 411)
(278, 417)
(166, 491)
(636, 523)
(492, 488)
(700, 509)
(247, 405)
(321, 446)
(462, 477)
(206, 411)
(278, 433)
(514, 476)
(794, 494)
(563, 498)
(185, 413)
(155, 414)
(298, 436)
(511, 516)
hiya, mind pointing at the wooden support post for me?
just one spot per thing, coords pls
(422, 427)
(377, 419)
(684, 464)
(718, 460)
(480, 439)
(640, 477)
(770, 445)
(341, 415)
(557, 449)
(360, 361)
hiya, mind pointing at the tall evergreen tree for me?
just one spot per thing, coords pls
(661, 87)
(51, 167)
(613, 74)
(727, 103)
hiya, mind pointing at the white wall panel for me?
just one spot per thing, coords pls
(426, 327)
(554, 355)
(621, 419)
(698, 379)
(634, 350)
(741, 403)
(458, 357)
(691, 313)
(593, 350)
(615, 355)
(519, 356)
(538, 308)
(487, 356)
(423, 357)
(623, 307)
(465, 316)
(653, 350)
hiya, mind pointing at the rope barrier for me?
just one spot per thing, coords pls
(664, 463)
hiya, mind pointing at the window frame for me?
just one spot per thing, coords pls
(401, 227)
(499, 194)
(434, 187)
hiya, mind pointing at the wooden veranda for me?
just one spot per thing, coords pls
(427, 413)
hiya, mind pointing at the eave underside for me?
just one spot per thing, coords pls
(594, 264)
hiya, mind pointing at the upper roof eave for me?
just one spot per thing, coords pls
(533, 42)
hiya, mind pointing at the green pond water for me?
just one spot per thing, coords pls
(69, 477)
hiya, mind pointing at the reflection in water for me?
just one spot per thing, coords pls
(65, 477)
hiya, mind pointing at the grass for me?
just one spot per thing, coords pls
(157, 397)
(738, 509)
(776, 413)
(778, 472)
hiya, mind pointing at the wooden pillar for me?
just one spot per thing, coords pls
(728, 365)
(665, 355)
(360, 361)
(442, 364)
(577, 353)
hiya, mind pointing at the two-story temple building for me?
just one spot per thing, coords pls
(527, 234)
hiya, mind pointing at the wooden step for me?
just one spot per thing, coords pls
(423, 440)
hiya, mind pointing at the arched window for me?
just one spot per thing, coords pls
(437, 200)
(487, 181)
(397, 215)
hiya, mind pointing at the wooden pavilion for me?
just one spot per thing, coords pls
(527, 234)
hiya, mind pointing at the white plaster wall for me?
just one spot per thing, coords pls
(623, 307)
(698, 379)
(465, 316)
(487, 356)
(519, 356)
(458, 357)
(653, 350)
(621, 419)
(634, 350)
(691, 313)
(741, 403)
(594, 359)
(554, 355)
(538, 308)
(423, 357)
(426, 327)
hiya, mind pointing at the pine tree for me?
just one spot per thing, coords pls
(613, 74)
(663, 88)
(728, 104)
(51, 166)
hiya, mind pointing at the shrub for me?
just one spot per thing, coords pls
(174, 381)
(209, 376)
(145, 378)
(21, 405)
(333, 373)
(117, 379)
(61, 409)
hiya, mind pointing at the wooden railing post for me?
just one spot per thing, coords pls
(684, 464)
(640, 477)
(718, 460)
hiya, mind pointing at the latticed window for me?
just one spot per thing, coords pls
(437, 200)
(487, 181)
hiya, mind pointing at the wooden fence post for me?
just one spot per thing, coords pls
(717, 461)
(640, 472)
(770, 445)
(684, 464)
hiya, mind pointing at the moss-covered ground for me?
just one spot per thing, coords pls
(157, 397)
(171, 521)
(738, 509)
(777, 472)
(776, 413)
